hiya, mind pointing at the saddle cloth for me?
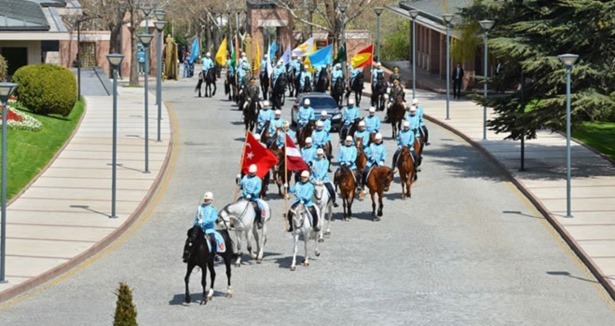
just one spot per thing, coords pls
(220, 245)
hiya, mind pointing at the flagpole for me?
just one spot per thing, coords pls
(286, 183)
(243, 152)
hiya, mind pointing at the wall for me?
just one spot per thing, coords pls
(34, 49)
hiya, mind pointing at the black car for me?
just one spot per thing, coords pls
(320, 102)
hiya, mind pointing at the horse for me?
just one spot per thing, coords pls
(396, 114)
(350, 130)
(242, 215)
(305, 132)
(280, 175)
(210, 80)
(348, 186)
(361, 160)
(379, 90)
(230, 87)
(264, 82)
(337, 92)
(405, 165)
(197, 253)
(325, 206)
(277, 95)
(378, 181)
(293, 83)
(323, 81)
(251, 113)
(307, 85)
(356, 86)
(302, 226)
(265, 132)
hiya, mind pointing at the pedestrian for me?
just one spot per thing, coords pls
(141, 59)
(457, 81)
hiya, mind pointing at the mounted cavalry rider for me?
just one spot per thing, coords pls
(347, 156)
(230, 70)
(414, 121)
(305, 114)
(326, 123)
(264, 64)
(349, 115)
(206, 216)
(363, 134)
(276, 123)
(282, 134)
(336, 74)
(396, 90)
(294, 65)
(320, 167)
(319, 69)
(277, 71)
(320, 136)
(395, 75)
(308, 152)
(354, 72)
(304, 192)
(422, 127)
(306, 75)
(376, 155)
(244, 60)
(264, 115)
(250, 186)
(375, 73)
(206, 64)
(372, 121)
(241, 75)
(252, 92)
(405, 138)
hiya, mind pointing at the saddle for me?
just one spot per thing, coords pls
(220, 245)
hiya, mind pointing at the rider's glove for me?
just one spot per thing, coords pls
(248, 197)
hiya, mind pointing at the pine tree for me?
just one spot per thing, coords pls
(125, 310)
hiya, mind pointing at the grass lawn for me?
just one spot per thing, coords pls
(30, 151)
(598, 135)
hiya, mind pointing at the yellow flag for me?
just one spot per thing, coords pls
(257, 56)
(221, 54)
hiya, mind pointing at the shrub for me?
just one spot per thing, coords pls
(125, 310)
(4, 67)
(46, 89)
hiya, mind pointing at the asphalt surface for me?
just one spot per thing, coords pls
(467, 249)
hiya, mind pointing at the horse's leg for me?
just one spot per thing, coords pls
(212, 276)
(306, 236)
(187, 281)
(250, 236)
(294, 262)
(260, 243)
(345, 204)
(402, 180)
(239, 236)
(380, 204)
(371, 194)
(204, 282)
(214, 92)
(329, 217)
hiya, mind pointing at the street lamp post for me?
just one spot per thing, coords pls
(378, 11)
(486, 25)
(145, 39)
(568, 60)
(84, 18)
(447, 19)
(6, 89)
(413, 15)
(343, 8)
(311, 9)
(160, 24)
(115, 61)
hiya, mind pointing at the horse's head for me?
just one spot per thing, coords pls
(195, 234)
(388, 178)
(319, 190)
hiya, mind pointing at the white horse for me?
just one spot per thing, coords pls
(302, 226)
(325, 206)
(241, 215)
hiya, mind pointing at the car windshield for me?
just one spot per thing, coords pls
(321, 102)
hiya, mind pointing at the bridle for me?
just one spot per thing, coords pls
(238, 218)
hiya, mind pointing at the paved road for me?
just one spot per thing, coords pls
(467, 249)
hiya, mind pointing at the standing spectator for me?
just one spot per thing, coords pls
(457, 81)
(141, 59)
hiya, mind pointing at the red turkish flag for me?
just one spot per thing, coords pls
(293, 157)
(255, 153)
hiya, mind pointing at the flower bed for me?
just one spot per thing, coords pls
(19, 120)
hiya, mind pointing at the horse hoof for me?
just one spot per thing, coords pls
(292, 268)
(320, 240)
(259, 260)
(317, 253)
(327, 232)
(376, 219)
(379, 214)
(237, 264)
(186, 304)
(203, 302)
(306, 264)
(209, 298)
(229, 295)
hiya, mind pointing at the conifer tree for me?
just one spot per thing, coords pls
(125, 310)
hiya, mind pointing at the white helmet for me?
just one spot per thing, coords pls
(266, 56)
(257, 137)
(377, 64)
(378, 136)
(305, 174)
(320, 151)
(280, 62)
(323, 113)
(308, 140)
(285, 123)
(413, 108)
(415, 101)
(361, 123)
(351, 101)
(337, 65)
(406, 124)
(243, 54)
(208, 196)
(207, 54)
(266, 104)
(252, 168)
(319, 123)
(306, 102)
(277, 112)
(372, 110)
(348, 138)
(306, 67)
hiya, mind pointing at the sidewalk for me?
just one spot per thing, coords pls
(62, 219)
(591, 230)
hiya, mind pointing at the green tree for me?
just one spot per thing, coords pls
(396, 43)
(125, 310)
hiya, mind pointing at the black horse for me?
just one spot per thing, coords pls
(307, 85)
(230, 87)
(210, 80)
(196, 253)
(292, 85)
(264, 79)
(277, 96)
(337, 92)
(323, 81)
(378, 92)
(250, 113)
(356, 86)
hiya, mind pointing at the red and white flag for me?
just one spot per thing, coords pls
(255, 153)
(294, 161)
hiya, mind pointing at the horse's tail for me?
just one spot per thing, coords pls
(227, 239)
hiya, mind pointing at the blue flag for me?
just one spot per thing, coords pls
(194, 52)
(273, 48)
(321, 57)
(286, 56)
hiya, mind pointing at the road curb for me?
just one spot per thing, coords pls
(106, 241)
(538, 204)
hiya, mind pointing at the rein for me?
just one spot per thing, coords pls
(240, 217)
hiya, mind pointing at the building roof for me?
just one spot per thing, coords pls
(18, 15)
(435, 8)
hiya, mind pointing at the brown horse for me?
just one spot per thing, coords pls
(306, 132)
(361, 160)
(351, 130)
(405, 165)
(378, 182)
(418, 151)
(265, 132)
(279, 177)
(396, 114)
(348, 186)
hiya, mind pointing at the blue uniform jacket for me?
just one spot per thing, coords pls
(337, 73)
(304, 191)
(264, 65)
(320, 167)
(414, 121)
(263, 116)
(277, 71)
(241, 73)
(320, 138)
(372, 123)
(275, 124)
(308, 154)
(207, 63)
(250, 186)
(305, 114)
(364, 135)
(141, 56)
(326, 125)
(420, 112)
(355, 72)
(375, 73)
(206, 216)
(348, 155)
(376, 154)
(349, 115)
(230, 70)
(405, 138)
(281, 136)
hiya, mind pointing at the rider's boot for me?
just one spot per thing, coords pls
(289, 227)
(257, 216)
(314, 218)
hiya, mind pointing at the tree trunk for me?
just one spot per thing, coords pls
(134, 72)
